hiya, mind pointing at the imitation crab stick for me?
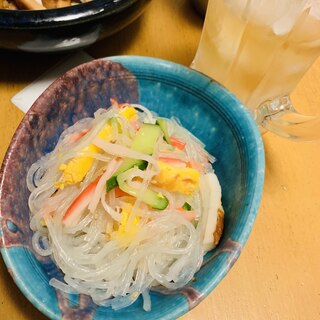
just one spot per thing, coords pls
(183, 164)
(188, 215)
(174, 162)
(177, 143)
(73, 213)
(77, 135)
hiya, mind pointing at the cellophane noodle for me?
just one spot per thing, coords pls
(166, 250)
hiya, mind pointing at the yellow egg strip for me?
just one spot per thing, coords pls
(125, 235)
(177, 179)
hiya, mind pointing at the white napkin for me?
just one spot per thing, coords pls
(27, 96)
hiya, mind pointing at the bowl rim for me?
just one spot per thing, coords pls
(257, 185)
(51, 18)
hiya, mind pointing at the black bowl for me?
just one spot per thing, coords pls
(66, 28)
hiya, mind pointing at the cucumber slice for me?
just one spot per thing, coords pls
(154, 199)
(162, 123)
(144, 142)
(126, 164)
(187, 206)
(146, 138)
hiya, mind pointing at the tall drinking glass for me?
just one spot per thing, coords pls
(260, 49)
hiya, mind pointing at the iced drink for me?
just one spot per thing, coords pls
(259, 49)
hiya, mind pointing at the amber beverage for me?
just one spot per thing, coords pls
(260, 49)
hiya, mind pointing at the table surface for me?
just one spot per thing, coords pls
(278, 273)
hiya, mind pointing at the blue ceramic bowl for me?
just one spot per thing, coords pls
(66, 28)
(203, 106)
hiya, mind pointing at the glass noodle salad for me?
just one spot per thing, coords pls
(127, 201)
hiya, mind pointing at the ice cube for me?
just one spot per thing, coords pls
(268, 12)
(283, 26)
(288, 17)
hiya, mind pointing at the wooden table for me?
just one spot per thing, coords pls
(278, 273)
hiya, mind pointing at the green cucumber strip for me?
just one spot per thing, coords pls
(111, 183)
(146, 138)
(162, 123)
(186, 206)
(143, 142)
(154, 199)
(126, 164)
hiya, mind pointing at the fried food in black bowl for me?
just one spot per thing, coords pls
(66, 28)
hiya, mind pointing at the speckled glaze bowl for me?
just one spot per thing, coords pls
(68, 28)
(203, 106)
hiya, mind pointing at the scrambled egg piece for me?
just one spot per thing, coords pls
(125, 235)
(129, 113)
(76, 169)
(177, 179)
